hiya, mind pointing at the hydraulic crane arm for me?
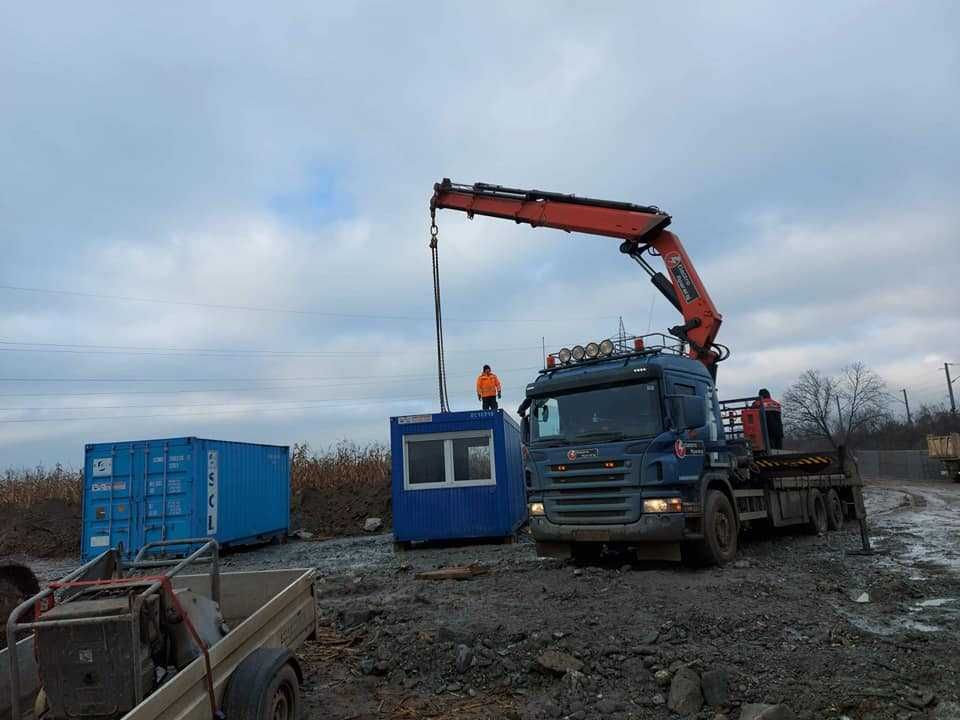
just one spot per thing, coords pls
(640, 228)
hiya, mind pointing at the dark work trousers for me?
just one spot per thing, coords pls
(774, 430)
(490, 403)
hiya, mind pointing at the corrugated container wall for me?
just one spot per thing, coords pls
(456, 475)
(142, 491)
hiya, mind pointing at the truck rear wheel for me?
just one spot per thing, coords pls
(720, 530)
(834, 510)
(817, 520)
(265, 686)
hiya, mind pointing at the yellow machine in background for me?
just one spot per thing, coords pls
(946, 449)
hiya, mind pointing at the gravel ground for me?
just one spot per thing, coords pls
(543, 639)
(797, 620)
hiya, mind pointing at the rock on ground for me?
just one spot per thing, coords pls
(716, 687)
(464, 659)
(558, 663)
(686, 697)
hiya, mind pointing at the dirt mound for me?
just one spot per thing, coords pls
(48, 529)
(334, 511)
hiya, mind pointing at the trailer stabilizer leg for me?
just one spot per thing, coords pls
(866, 548)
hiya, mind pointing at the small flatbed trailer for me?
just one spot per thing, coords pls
(249, 673)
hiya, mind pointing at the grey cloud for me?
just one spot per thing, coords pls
(144, 150)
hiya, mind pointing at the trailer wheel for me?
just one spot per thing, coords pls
(817, 521)
(720, 529)
(265, 686)
(834, 510)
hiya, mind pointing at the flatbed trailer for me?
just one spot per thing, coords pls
(252, 670)
(775, 485)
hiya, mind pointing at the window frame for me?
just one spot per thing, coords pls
(449, 469)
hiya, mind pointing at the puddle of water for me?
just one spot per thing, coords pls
(935, 602)
(890, 627)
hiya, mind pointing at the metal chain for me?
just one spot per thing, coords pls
(438, 313)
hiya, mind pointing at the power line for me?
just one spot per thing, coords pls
(202, 413)
(312, 405)
(286, 311)
(192, 380)
(243, 403)
(334, 382)
(47, 408)
(217, 352)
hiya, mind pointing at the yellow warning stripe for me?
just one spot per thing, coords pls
(792, 462)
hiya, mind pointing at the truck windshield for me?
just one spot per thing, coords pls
(607, 413)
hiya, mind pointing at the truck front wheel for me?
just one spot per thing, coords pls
(720, 531)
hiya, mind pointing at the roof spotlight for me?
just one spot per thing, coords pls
(578, 352)
(592, 350)
(564, 355)
(606, 347)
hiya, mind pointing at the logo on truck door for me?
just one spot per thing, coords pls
(682, 448)
(213, 486)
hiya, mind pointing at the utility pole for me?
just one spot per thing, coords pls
(953, 400)
(907, 403)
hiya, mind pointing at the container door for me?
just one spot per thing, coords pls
(110, 499)
(167, 510)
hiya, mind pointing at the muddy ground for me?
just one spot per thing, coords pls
(538, 638)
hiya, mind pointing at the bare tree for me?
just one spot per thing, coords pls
(836, 408)
(864, 400)
(808, 406)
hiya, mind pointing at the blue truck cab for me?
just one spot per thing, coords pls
(630, 446)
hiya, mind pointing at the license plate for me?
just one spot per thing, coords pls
(591, 535)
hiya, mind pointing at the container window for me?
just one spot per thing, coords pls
(471, 459)
(426, 462)
(446, 460)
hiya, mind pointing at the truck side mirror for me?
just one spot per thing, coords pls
(525, 429)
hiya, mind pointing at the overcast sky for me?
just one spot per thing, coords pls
(213, 216)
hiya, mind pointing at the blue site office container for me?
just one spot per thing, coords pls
(456, 475)
(142, 491)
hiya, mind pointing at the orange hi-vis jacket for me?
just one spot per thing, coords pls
(488, 385)
(768, 404)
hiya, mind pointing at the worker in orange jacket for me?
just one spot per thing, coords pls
(488, 388)
(772, 412)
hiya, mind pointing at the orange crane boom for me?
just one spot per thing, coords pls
(640, 228)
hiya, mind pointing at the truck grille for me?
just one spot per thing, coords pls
(571, 498)
(607, 505)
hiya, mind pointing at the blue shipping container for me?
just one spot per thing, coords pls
(142, 491)
(456, 475)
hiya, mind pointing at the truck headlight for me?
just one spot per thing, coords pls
(662, 505)
(536, 509)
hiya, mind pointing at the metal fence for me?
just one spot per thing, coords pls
(898, 465)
